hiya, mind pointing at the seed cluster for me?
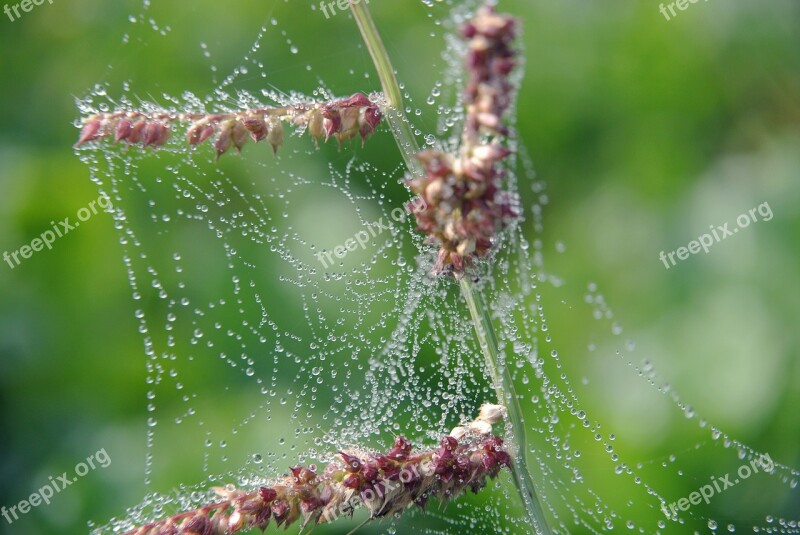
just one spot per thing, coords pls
(466, 205)
(343, 119)
(384, 484)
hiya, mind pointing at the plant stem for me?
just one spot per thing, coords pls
(503, 385)
(507, 397)
(398, 122)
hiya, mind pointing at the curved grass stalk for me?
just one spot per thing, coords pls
(503, 384)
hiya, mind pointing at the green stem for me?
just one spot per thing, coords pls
(396, 117)
(504, 387)
(507, 397)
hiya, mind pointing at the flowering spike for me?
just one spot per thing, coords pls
(343, 118)
(465, 204)
(385, 484)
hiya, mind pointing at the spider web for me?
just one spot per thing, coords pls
(260, 355)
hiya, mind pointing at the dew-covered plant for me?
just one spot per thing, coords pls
(468, 206)
(343, 119)
(385, 484)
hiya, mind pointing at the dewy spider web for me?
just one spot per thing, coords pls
(259, 356)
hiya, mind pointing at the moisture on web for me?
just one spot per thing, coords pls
(286, 309)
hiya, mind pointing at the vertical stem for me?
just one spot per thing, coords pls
(506, 396)
(395, 115)
(504, 387)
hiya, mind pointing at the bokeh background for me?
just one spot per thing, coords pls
(646, 131)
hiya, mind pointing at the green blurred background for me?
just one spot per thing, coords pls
(646, 132)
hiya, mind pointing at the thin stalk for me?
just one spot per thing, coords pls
(396, 117)
(504, 387)
(506, 396)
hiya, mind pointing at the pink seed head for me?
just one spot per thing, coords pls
(123, 130)
(90, 132)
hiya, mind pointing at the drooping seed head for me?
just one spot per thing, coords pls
(257, 127)
(314, 119)
(123, 130)
(90, 131)
(331, 123)
(137, 132)
(155, 133)
(349, 124)
(199, 132)
(275, 136)
(239, 135)
(224, 138)
(368, 120)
